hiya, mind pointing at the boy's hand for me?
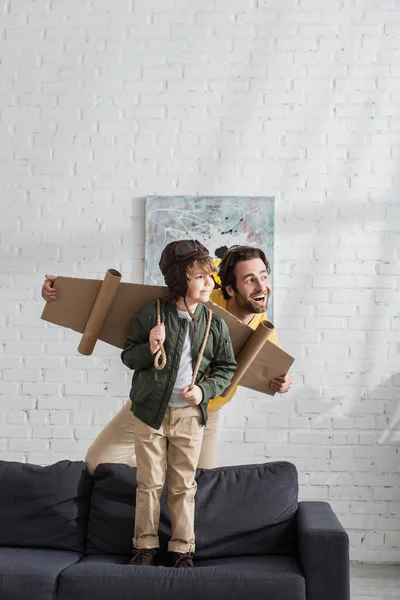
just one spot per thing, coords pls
(193, 396)
(48, 292)
(156, 337)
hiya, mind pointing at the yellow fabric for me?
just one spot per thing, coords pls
(218, 297)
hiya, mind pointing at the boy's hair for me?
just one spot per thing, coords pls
(205, 263)
(227, 266)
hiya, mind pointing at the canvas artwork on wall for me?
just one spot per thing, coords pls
(219, 222)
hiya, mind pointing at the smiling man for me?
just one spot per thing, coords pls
(244, 273)
(245, 291)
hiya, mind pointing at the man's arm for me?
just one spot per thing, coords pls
(48, 292)
(281, 384)
(284, 383)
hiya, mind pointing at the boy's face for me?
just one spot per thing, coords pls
(200, 285)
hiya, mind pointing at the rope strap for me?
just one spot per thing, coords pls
(203, 345)
(160, 358)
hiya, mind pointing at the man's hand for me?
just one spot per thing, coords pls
(48, 292)
(156, 337)
(281, 384)
(193, 396)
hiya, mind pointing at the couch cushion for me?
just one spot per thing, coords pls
(240, 510)
(32, 573)
(44, 507)
(258, 578)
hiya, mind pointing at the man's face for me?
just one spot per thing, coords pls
(253, 286)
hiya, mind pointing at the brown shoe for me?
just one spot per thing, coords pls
(142, 557)
(182, 560)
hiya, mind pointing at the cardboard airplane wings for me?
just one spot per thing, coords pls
(104, 310)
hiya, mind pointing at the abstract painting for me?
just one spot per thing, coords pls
(217, 221)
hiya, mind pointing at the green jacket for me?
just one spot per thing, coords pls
(151, 389)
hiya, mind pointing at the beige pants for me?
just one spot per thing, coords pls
(116, 442)
(172, 453)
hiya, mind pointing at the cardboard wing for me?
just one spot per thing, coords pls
(105, 310)
(100, 310)
(259, 360)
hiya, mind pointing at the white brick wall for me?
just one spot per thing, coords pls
(102, 103)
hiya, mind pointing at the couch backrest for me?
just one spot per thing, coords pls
(44, 507)
(240, 510)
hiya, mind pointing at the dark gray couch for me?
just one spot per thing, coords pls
(66, 536)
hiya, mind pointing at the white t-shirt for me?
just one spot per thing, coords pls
(185, 370)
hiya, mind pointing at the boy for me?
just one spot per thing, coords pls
(170, 403)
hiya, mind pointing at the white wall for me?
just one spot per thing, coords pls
(103, 102)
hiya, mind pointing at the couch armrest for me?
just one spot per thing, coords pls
(323, 547)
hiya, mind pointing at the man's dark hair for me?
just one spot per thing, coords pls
(235, 254)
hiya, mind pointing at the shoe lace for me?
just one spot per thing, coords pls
(141, 554)
(184, 560)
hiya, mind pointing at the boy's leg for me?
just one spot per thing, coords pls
(151, 457)
(115, 443)
(209, 443)
(184, 442)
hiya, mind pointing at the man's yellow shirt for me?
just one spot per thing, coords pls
(218, 297)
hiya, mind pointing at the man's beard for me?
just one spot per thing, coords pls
(246, 303)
